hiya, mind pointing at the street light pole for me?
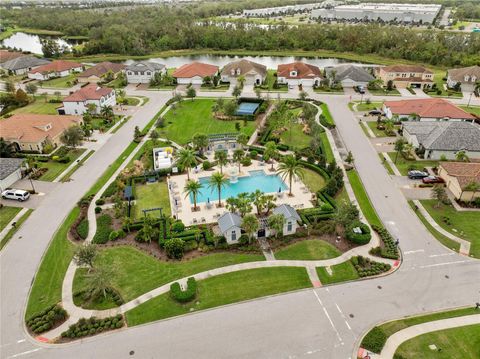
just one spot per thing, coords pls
(470, 99)
(31, 183)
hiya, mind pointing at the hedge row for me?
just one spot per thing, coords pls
(184, 296)
(366, 267)
(390, 249)
(46, 319)
(104, 228)
(358, 238)
(85, 327)
(316, 169)
(374, 340)
(82, 228)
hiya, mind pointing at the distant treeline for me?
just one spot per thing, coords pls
(144, 30)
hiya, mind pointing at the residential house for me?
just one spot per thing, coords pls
(194, 73)
(299, 74)
(443, 139)
(229, 225)
(32, 132)
(11, 170)
(77, 103)
(143, 71)
(56, 68)
(348, 75)
(466, 76)
(434, 109)
(457, 177)
(97, 73)
(23, 64)
(404, 76)
(6, 55)
(254, 74)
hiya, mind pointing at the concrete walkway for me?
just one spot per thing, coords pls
(464, 245)
(391, 163)
(395, 340)
(8, 227)
(72, 165)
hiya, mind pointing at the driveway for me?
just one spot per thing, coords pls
(410, 188)
(41, 187)
(405, 93)
(420, 93)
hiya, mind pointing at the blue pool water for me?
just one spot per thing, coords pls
(247, 108)
(256, 180)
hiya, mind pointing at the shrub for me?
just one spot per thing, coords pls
(64, 159)
(389, 249)
(358, 238)
(206, 165)
(82, 228)
(184, 296)
(253, 154)
(247, 161)
(81, 328)
(374, 340)
(98, 209)
(110, 190)
(103, 229)
(100, 202)
(46, 319)
(178, 227)
(174, 248)
(121, 233)
(55, 158)
(113, 236)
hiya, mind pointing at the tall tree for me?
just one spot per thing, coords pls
(31, 89)
(289, 168)
(186, 159)
(200, 141)
(242, 139)
(193, 188)
(99, 281)
(238, 156)
(439, 194)
(218, 181)
(276, 222)
(221, 157)
(72, 136)
(191, 93)
(250, 225)
(236, 92)
(85, 255)
(399, 146)
(270, 152)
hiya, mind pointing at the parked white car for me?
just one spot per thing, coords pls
(17, 194)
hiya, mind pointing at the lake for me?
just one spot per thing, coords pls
(28, 42)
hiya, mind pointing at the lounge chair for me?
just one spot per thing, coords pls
(203, 220)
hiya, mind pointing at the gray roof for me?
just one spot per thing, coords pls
(287, 211)
(458, 75)
(446, 135)
(354, 73)
(229, 220)
(9, 165)
(24, 62)
(145, 65)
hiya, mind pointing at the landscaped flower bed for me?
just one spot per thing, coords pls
(47, 319)
(366, 267)
(184, 296)
(86, 327)
(389, 248)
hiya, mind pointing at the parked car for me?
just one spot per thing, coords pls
(360, 89)
(17, 194)
(433, 179)
(415, 174)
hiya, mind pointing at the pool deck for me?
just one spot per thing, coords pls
(210, 213)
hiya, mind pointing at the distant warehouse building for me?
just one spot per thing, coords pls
(407, 13)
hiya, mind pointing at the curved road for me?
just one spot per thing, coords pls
(325, 322)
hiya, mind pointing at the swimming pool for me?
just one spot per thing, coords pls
(257, 180)
(247, 108)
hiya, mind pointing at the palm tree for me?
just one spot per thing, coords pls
(472, 187)
(462, 156)
(238, 156)
(218, 181)
(276, 222)
(244, 203)
(242, 139)
(193, 188)
(241, 80)
(200, 141)
(107, 113)
(290, 168)
(99, 281)
(186, 159)
(399, 146)
(258, 199)
(232, 204)
(221, 158)
(270, 152)
(250, 225)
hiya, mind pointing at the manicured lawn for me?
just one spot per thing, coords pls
(295, 137)
(132, 101)
(472, 109)
(313, 180)
(7, 214)
(80, 282)
(117, 83)
(56, 168)
(404, 165)
(465, 225)
(312, 249)
(362, 198)
(67, 176)
(224, 289)
(39, 106)
(327, 114)
(47, 286)
(137, 273)
(368, 106)
(327, 147)
(438, 79)
(340, 273)
(270, 80)
(342, 196)
(192, 117)
(375, 130)
(12, 230)
(384, 92)
(60, 82)
(455, 343)
(152, 195)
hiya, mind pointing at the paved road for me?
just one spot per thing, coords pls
(325, 322)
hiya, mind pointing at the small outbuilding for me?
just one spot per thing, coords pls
(10, 171)
(229, 225)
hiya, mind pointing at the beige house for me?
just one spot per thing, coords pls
(404, 76)
(31, 132)
(457, 177)
(98, 72)
(466, 76)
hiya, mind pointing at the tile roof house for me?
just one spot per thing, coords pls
(23, 64)
(56, 68)
(10, 171)
(97, 72)
(142, 72)
(457, 177)
(349, 75)
(31, 132)
(444, 139)
(6, 55)
(299, 74)
(466, 76)
(77, 103)
(434, 109)
(404, 76)
(255, 74)
(194, 73)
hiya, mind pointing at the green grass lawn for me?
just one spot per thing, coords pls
(404, 165)
(12, 230)
(368, 106)
(224, 289)
(327, 147)
(455, 343)
(384, 92)
(132, 101)
(340, 273)
(7, 214)
(438, 76)
(192, 117)
(59, 82)
(56, 168)
(295, 137)
(39, 106)
(137, 273)
(270, 80)
(472, 109)
(151, 196)
(327, 114)
(342, 196)
(362, 198)
(311, 249)
(465, 225)
(47, 286)
(375, 130)
(117, 83)
(313, 180)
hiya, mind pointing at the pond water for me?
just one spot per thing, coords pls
(29, 42)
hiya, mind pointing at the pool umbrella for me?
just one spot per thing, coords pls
(175, 202)
(279, 189)
(208, 200)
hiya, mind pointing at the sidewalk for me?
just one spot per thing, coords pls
(8, 227)
(72, 165)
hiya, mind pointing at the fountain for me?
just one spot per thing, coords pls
(233, 175)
